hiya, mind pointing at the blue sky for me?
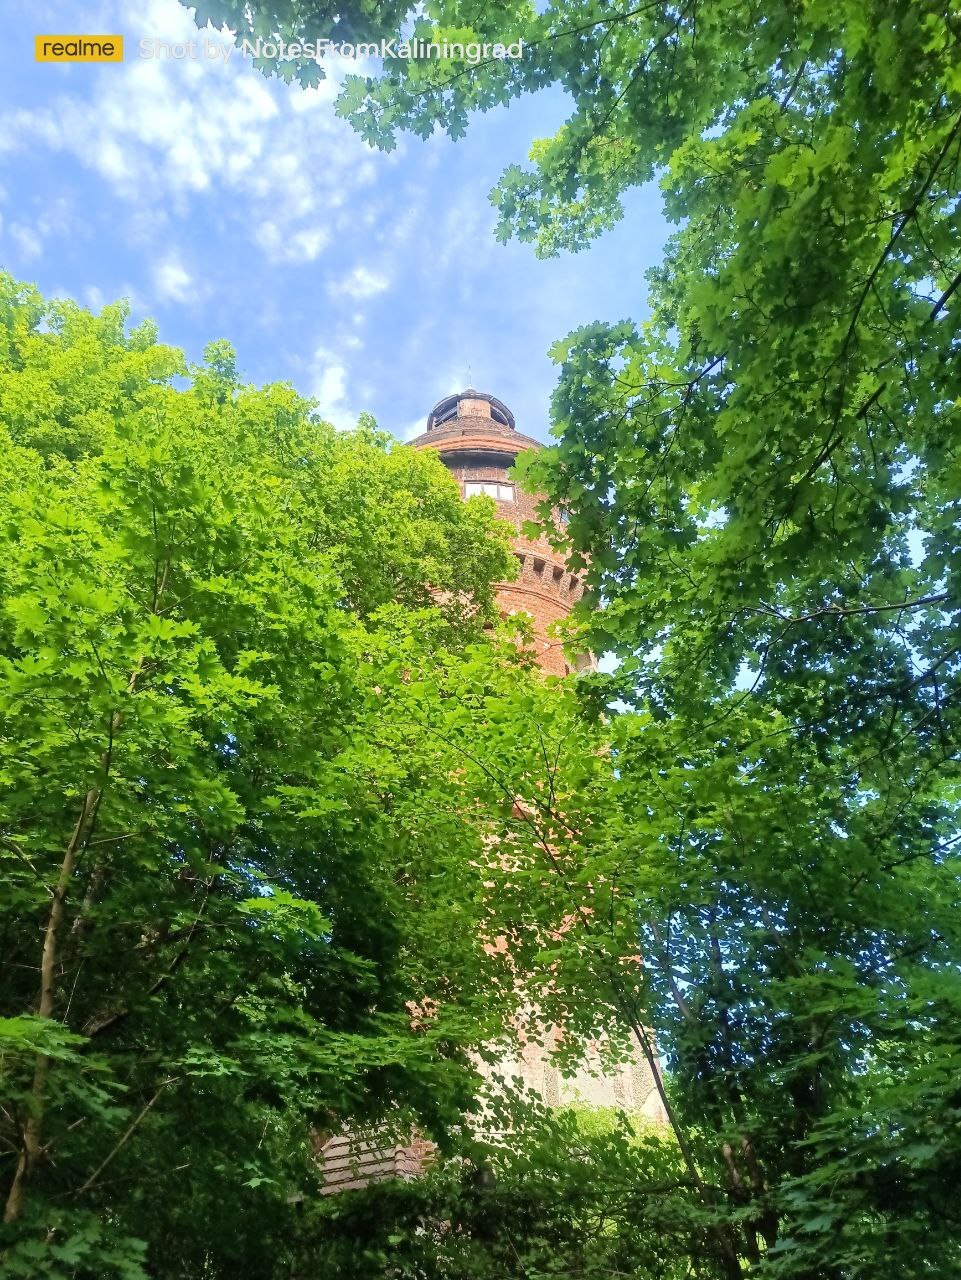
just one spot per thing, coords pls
(229, 206)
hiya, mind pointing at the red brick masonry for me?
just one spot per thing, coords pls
(477, 440)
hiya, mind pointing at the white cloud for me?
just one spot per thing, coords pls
(172, 281)
(399, 229)
(139, 306)
(27, 241)
(332, 388)
(329, 389)
(359, 283)
(290, 246)
(29, 236)
(318, 95)
(413, 429)
(273, 160)
(331, 378)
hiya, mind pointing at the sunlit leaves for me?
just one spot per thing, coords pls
(242, 850)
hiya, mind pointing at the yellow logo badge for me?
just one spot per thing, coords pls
(78, 48)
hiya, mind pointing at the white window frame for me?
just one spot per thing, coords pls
(495, 489)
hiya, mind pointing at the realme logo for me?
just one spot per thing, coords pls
(78, 48)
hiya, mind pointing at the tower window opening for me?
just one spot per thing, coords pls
(444, 417)
(493, 489)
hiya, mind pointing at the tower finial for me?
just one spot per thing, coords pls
(469, 383)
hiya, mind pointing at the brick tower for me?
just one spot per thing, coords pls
(477, 441)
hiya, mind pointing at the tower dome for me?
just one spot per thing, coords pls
(472, 421)
(473, 401)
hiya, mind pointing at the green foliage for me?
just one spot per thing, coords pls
(232, 859)
(567, 1194)
(293, 21)
(763, 486)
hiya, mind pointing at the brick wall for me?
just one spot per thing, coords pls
(474, 447)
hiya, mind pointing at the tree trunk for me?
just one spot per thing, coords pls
(33, 1126)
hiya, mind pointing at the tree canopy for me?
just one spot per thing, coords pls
(239, 861)
(762, 480)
